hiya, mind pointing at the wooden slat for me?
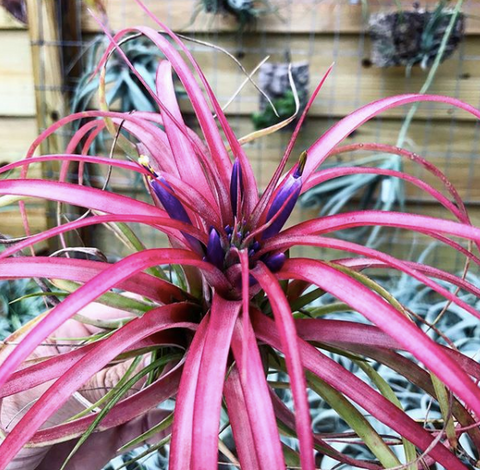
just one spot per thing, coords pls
(7, 21)
(16, 135)
(299, 16)
(16, 84)
(11, 221)
(349, 86)
(47, 68)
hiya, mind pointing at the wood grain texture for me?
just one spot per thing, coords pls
(17, 96)
(47, 68)
(350, 84)
(298, 16)
(16, 135)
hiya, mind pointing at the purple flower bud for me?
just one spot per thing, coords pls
(256, 246)
(288, 192)
(236, 185)
(275, 262)
(171, 204)
(174, 208)
(215, 254)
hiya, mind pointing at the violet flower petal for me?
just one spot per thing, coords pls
(174, 209)
(236, 185)
(215, 254)
(275, 262)
(289, 191)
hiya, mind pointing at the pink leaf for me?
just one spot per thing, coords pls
(239, 420)
(390, 320)
(257, 398)
(51, 401)
(181, 444)
(188, 166)
(320, 150)
(286, 328)
(355, 389)
(211, 377)
(95, 288)
(84, 271)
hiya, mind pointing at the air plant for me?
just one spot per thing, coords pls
(125, 92)
(411, 38)
(285, 106)
(238, 309)
(286, 84)
(19, 303)
(246, 12)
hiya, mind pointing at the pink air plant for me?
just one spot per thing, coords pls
(238, 316)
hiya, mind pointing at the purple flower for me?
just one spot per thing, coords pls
(285, 200)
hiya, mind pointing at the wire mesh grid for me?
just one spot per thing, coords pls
(447, 138)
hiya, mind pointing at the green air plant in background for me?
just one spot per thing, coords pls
(124, 91)
(20, 302)
(286, 84)
(286, 107)
(246, 12)
(242, 308)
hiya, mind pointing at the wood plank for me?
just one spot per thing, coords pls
(299, 16)
(47, 68)
(11, 221)
(16, 85)
(16, 135)
(349, 86)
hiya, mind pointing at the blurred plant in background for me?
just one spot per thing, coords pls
(245, 12)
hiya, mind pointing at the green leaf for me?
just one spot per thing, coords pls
(445, 408)
(385, 389)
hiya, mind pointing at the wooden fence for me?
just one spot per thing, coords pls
(317, 31)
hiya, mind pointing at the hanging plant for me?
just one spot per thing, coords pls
(275, 82)
(245, 12)
(124, 90)
(413, 37)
